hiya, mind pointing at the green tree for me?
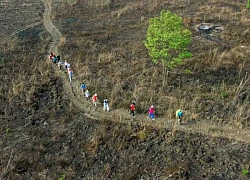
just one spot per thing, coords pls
(248, 4)
(167, 40)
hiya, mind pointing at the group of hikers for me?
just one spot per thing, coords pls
(151, 111)
(57, 60)
(86, 93)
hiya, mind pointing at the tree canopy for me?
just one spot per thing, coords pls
(167, 39)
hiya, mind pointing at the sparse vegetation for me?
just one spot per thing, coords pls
(51, 134)
(63, 176)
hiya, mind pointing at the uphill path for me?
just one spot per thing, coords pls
(73, 92)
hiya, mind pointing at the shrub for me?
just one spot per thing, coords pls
(245, 172)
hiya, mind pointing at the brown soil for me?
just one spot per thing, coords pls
(58, 133)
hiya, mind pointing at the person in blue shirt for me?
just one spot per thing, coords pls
(55, 59)
(83, 87)
(70, 75)
(179, 115)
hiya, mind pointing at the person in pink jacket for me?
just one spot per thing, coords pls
(151, 113)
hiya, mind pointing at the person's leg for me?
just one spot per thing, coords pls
(107, 107)
(153, 116)
(104, 107)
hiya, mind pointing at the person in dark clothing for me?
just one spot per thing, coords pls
(58, 58)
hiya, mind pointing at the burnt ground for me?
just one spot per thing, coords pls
(50, 136)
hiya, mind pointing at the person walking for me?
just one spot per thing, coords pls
(51, 56)
(60, 64)
(87, 94)
(66, 66)
(54, 59)
(106, 105)
(151, 113)
(132, 109)
(179, 115)
(83, 87)
(95, 99)
(58, 58)
(70, 71)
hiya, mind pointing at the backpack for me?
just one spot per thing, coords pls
(180, 113)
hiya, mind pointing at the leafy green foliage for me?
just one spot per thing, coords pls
(248, 4)
(63, 176)
(245, 172)
(188, 71)
(167, 39)
(7, 130)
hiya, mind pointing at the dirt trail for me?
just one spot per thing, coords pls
(73, 93)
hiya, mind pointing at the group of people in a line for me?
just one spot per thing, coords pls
(57, 60)
(151, 111)
(86, 93)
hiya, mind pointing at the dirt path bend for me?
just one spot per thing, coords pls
(73, 93)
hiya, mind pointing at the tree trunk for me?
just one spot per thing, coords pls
(165, 75)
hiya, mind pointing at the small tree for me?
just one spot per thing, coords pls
(167, 40)
(248, 4)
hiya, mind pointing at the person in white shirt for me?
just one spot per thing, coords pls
(105, 105)
(87, 94)
(66, 66)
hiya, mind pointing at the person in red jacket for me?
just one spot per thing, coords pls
(132, 109)
(95, 99)
(151, 113)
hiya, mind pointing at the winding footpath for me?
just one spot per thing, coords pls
(72, 90)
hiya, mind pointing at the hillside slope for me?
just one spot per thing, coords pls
(51, 137)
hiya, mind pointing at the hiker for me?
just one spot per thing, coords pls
(83, 87)
(95, 99)
(151, 113)
(69, 67)
(66, 66)
(58, 58)
(179, 115)
(51, 56)
(132, 109)
(105, 105)
(54, 59)
(70, 71)
(60, 64)
(87, 94)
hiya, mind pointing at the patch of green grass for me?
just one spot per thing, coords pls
(142, 135)
(188, 71)
(7, 130)
(245, 172)
(223, 94)
(63, 176)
